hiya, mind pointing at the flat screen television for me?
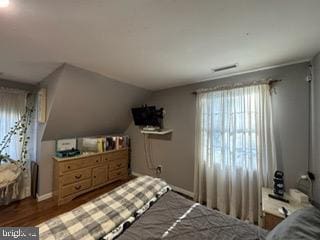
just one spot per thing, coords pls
(147, 116)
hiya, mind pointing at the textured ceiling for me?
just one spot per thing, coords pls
(154, 43)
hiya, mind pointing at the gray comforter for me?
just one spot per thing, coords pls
(175, 217)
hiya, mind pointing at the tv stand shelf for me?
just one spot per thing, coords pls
(157, 132)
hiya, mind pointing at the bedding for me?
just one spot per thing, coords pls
(100, 216)
(175, 217)
(302, 224)
(145, 208)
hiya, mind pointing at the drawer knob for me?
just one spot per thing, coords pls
(118, 173)
(119, 164)
(97, 160)
(78, 176)
(77, 187)
(106, 159)
(94, 176)
(69, 167)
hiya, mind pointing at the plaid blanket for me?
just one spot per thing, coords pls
(98, 217)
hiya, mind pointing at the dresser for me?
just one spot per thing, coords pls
(270, 208)
(77, 175)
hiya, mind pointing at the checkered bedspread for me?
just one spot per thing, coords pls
(98, 217)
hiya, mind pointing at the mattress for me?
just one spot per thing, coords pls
(175, 217)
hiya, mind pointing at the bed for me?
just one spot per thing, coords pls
(175, 217)
(147, 208)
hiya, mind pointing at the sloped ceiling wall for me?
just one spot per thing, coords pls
(19, 85)
(85, 103)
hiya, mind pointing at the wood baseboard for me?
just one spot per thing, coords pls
(44, 196)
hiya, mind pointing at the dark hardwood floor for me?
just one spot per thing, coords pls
(28, 212)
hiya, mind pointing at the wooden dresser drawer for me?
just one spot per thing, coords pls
(81, 163)
(75, 187)
(75, 176)
(120, 173)
(89, 161)
(70, 166)
(99, 176)
(117, 164)
(105, 157)
(122, 154)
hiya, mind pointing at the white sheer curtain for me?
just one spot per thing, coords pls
(13, 103)
(12, 107)
(235, 153)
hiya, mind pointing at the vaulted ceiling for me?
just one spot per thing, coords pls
(154, 43)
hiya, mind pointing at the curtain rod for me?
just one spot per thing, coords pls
(236, 85)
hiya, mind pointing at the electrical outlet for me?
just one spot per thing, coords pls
(159, 169)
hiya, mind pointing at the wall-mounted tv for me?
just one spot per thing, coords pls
(147, 116)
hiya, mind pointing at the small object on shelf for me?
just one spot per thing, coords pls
(278, 183)
(158, 131)
(298, 195)
(150, 128)
(68, 153)
(88, 144)
(67, 148)
(278, 187)
(101, 142)
(284, 211)
(305, 183)
(110, 144)
(117, 142)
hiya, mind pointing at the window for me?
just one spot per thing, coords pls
(229, 129)
(235, 154)
(12, 107)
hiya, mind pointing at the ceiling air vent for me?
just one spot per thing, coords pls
(224, 68)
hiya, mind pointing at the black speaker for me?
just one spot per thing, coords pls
(278, 183)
